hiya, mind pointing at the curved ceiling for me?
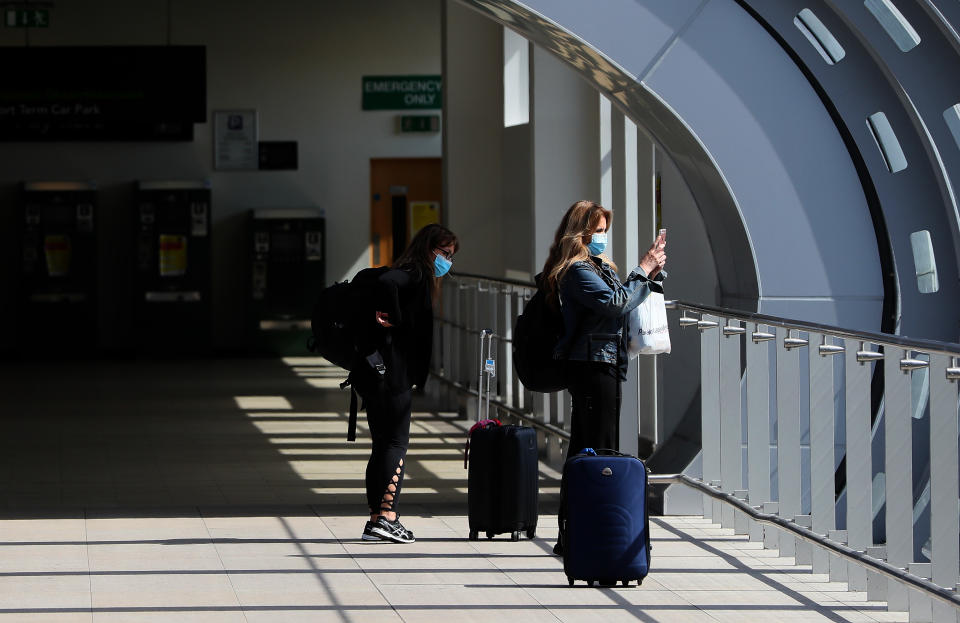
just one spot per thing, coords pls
(805, 218)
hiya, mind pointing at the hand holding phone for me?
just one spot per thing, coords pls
(654, 260)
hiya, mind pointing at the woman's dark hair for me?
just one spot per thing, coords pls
(419, 255)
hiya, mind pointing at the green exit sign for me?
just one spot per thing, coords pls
(420, 123)
(27, 18)
(402, 92)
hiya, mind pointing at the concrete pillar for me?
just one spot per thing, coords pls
(565, 143)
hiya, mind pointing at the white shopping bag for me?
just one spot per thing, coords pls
(646, 326)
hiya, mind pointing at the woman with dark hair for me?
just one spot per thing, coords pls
(594, 303)
(400, 334)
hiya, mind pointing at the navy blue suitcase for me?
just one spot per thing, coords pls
(606, 536)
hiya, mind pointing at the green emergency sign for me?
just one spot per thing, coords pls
(27, 18)
(401, 92)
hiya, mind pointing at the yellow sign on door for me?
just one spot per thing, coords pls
(423, 213)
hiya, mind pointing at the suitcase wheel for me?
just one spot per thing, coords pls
(589, 582)
(490, 535)
(639, 582)
(514, 536)
(570, 580)
(626, 582)
(531, 533)
(474, 535)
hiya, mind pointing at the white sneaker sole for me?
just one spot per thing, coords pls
(383, 535)
(372, 537)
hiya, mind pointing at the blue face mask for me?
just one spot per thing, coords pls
(441, 265)
(598, 242)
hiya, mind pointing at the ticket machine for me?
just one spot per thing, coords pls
(286, 249)
(57, 302)
(172, 266)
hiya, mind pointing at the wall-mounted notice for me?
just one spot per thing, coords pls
(423, 213)
(235, 140)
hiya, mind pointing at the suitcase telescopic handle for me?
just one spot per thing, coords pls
(486, 335)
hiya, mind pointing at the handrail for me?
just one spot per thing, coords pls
(874, 564)
(509, 282)
(884, 339)
(946, 348)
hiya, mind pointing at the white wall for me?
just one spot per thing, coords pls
(566, 145)
(299, 63)
(473, 143)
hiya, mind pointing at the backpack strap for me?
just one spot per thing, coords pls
(352, 424)
(352, 421)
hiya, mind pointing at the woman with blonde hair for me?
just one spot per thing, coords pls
(594, 303)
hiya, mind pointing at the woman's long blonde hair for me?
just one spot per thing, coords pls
(579, 222)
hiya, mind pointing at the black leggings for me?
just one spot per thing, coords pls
(388, 416)
(595, 412)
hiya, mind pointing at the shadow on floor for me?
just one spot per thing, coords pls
(227, 432)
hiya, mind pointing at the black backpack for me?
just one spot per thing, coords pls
(536, 334)
(336, 327)
(332, 334)
(336, 324)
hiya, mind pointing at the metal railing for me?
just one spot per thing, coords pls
(850, 437)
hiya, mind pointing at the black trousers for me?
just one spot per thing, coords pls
(595, 414)
(388, 416)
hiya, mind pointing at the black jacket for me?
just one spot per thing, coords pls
(404, 295)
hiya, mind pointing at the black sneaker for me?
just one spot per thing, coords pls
(368, 534)
(390, 531)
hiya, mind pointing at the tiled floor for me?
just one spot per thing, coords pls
(308, 564)
(224, 491)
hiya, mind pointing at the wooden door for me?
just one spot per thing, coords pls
(405, 194)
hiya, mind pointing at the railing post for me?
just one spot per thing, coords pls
(456, 337)
(523, 396)
(450, 362)
(898, 470)
(633, 407)
(710, 412)
(731, 469)
(822, 487)
(788, 435)
(758, 421)
(557, 417)
(944, 520)
(858, 462)
(506, 356)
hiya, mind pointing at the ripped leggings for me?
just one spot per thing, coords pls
(388, 417)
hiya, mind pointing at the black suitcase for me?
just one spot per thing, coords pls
(502, 492)
(606, 536)
(502, 481)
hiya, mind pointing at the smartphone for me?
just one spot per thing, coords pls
(663, 237)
